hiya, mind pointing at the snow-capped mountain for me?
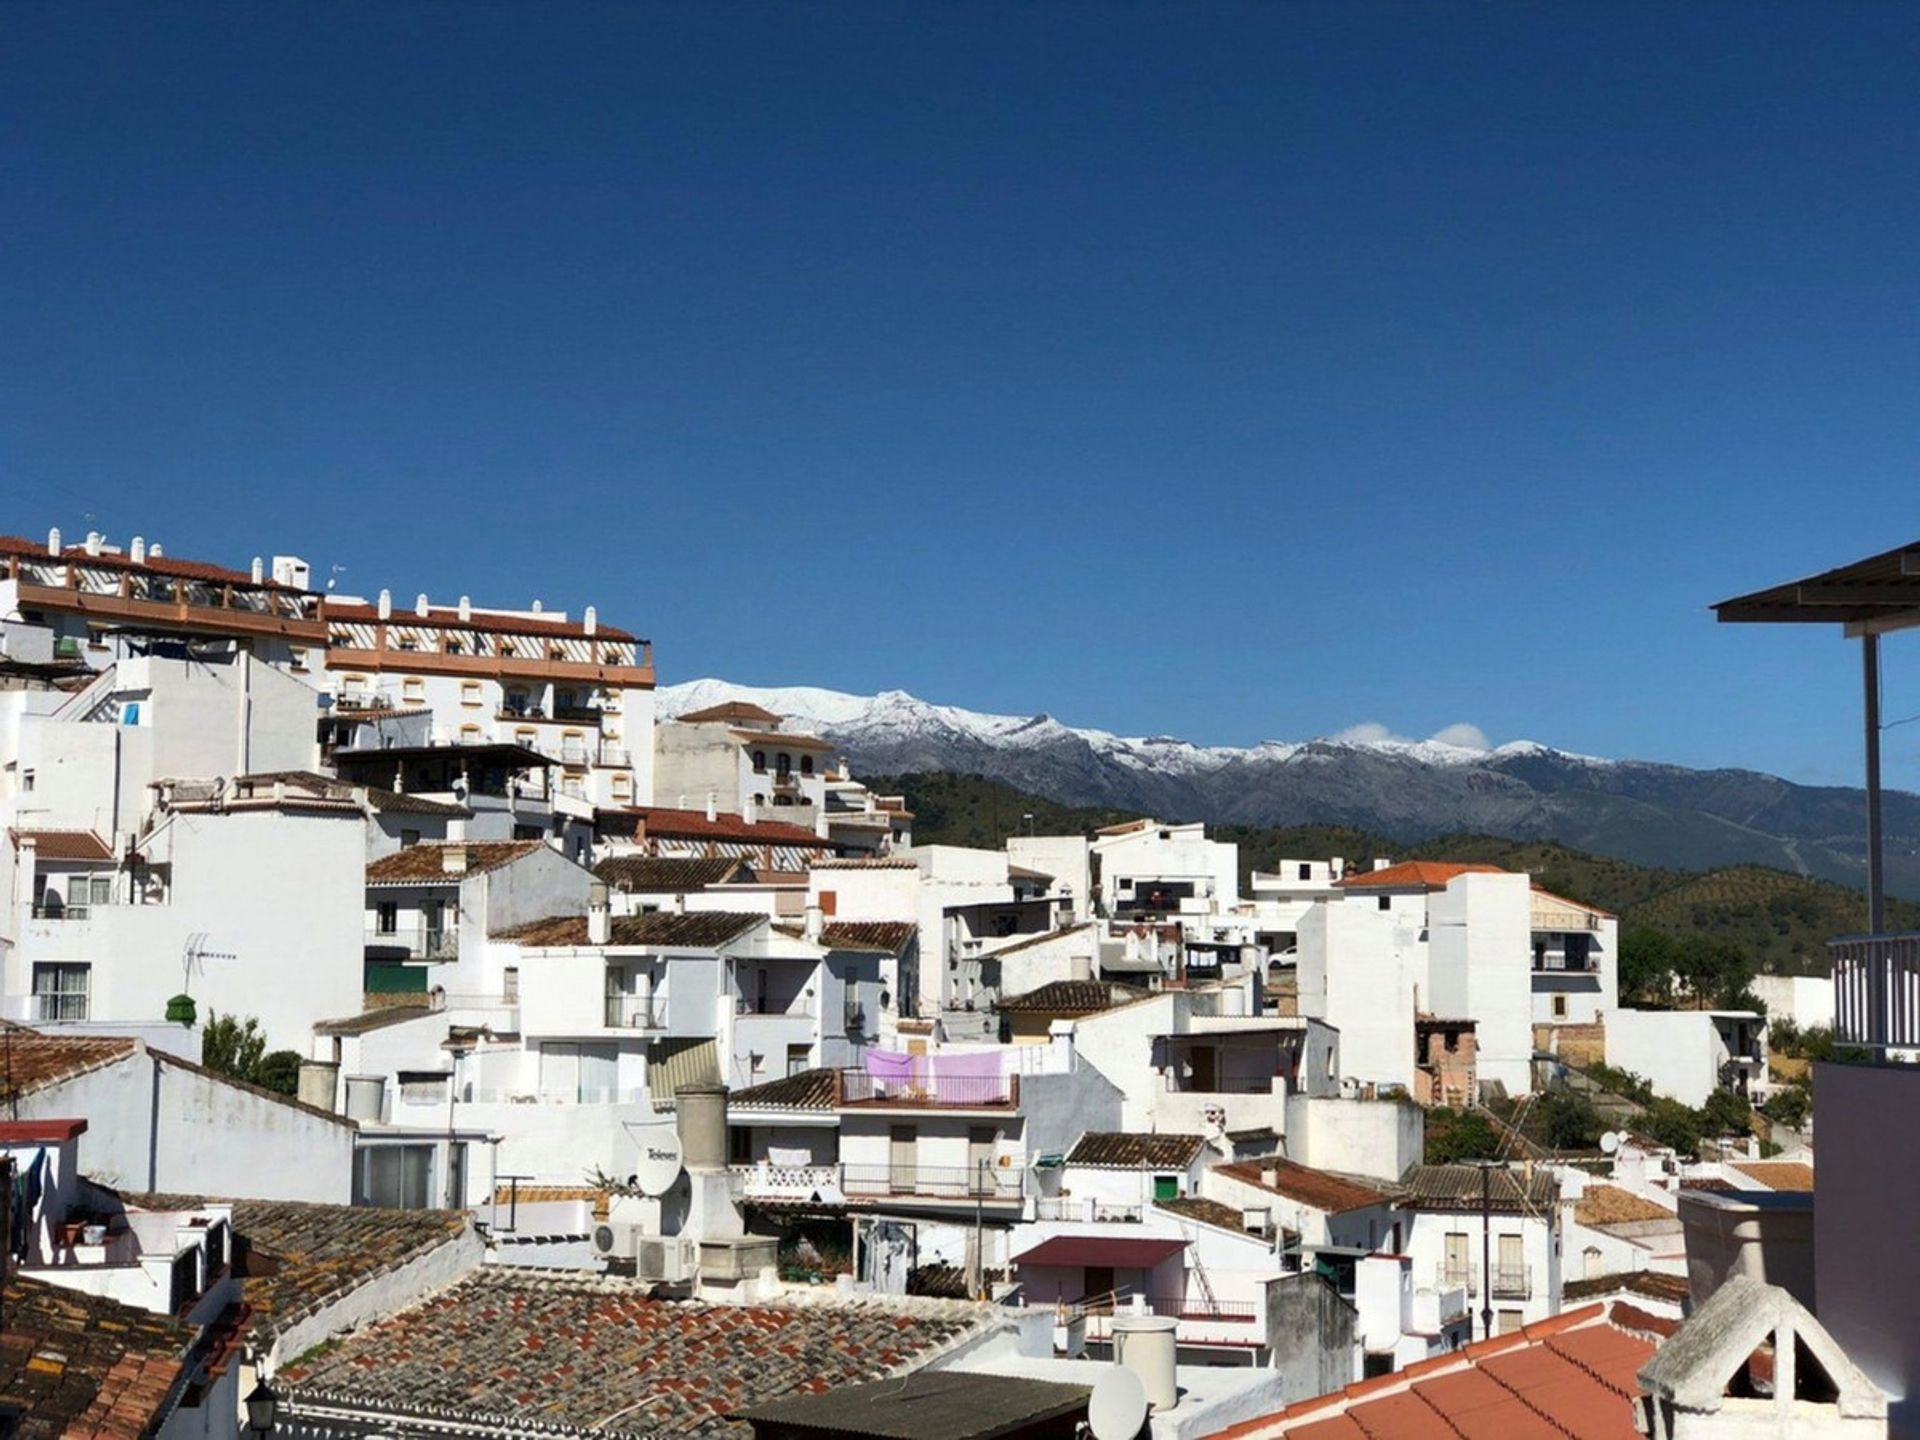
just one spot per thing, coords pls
(1405, 789)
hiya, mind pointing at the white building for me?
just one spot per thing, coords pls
(1503, 1251)
(1688, 1054)
(736, 756)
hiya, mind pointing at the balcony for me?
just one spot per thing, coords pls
(76, 912)
(857, 1088)
(1552, 964)
(1876, 990)
(416, 942)
(1512, 1282)
(636, 1012)
(931, 1182)
(1067, 1207)
(765, 1179)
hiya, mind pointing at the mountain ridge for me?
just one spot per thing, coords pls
(1649, 812)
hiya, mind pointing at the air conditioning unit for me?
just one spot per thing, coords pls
(613, 1242)
(663, 1260)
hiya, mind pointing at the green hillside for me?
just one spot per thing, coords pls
(1781, 920)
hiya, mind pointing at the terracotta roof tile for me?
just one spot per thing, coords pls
(36, 1061)
(693, 929)
(1207, 1212)
(78, 1364)
(156, 564)
(427, 862)
(661, 874)
(1653, 1284)
(1414, 874)
(447, 617)
(731, 710)
(1321, 1189)
(1158, 1152)
(881, 936)
(74, 845)
(1071, 997)
(367, 1021)
(1777, 1174)
(809, 1090)
(598, 1352)
(1457, 1187)
(1610, 1205)
(665, 823)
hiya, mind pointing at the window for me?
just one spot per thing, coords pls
(1386, 902)
(469, 692)
(739, 1145)
(298, 657)
(409, 839)
(469, 734)
(394, 1177)
(1306, 872)
(515, 702)
(413, 688)
(1166, 1187)
(453, 645)
(1559, 1007)
(797, 1058)
(60, 991)
(783, 764)
(1505, 1322)
(386, 917)
(759, 762)
(806, 764)
(510, 985)
(26, 780)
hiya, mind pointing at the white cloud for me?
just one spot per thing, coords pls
(1467, 737)
(1371, 732)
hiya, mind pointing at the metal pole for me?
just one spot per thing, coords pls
(1870, 675)
(1486, 1251)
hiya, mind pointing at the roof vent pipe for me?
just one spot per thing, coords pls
(137, 551)
(95, 540)
(713, 807)
(590, 621)
(420, 606)
(386, 604)
(599, 916)
(466, 607)
(258, 570)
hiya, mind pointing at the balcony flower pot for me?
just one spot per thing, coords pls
(181, 1010)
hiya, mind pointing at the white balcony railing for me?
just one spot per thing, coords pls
(416, 941)
(636, 1012)
(1876, 990)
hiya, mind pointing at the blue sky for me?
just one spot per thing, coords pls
(1225, 371)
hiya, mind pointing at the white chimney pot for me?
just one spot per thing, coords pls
(591, 620)
(53, 541)
(466, 608)
(137, 551)
(258, 570)
(420, 606)
(386, 604)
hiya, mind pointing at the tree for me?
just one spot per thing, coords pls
(278, 1070)
(1712, 968)
(1726, 1113)
(1571, 1122)
(1646, 964)
(1673, 1124)
(229, 1047)
(1789, 1106)
(1460, 1135)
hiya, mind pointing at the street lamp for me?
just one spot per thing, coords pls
(261, 1403)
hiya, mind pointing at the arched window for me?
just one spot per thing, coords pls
(806, 764)
(783, 764)
(759, 762)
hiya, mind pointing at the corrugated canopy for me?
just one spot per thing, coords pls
(1118, 1251)
(1884, 587)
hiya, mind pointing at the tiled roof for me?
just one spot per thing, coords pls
(1653, 1284)
(1457, 1187)
(667, 873)
(882, 937)
(368, 1021)
(694, 825)
(591, 1354)
(730, 710)
(782, 740)
(83, 1365)
(1573, 1375)
(447, 617)
(35, 1061)
(1125, 827)
(427, 861)
(64, 844)
(1610, 1205)
(694, 929)
(1207, 1212)
(1157, 1152)
(157, 564)
(302, 1257)
(866, 862)
(395, 802)
(1414, 874)
(809, 1090)
(1070, 997)
(1777, 1174)
(1320, 1189)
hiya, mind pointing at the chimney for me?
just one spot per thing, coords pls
(466, 608)
(420, 606)
(29, 849)
(137, 551)
(537, 606)
(1336, 867)
(816, 921)
(453, 860)
(599, 916)
(750, 810)
(1381, 862)
(53, 541)
(713, 807)
(154, 552)
(457, 829)
(590, 620)
(385, 606)
(258, 570)
(1270, 1176)
(95, 540)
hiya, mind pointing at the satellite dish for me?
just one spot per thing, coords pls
(659, 1165)
(1118, 1406)
(1609, 1142)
